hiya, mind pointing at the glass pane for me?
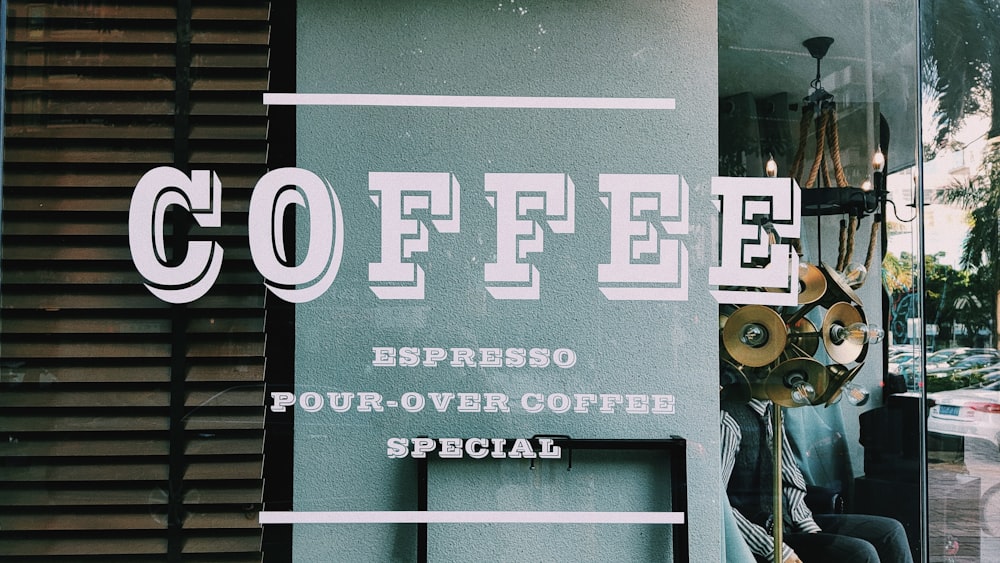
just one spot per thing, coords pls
(845, 74)
(961, 192)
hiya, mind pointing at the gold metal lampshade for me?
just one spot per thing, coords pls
(837, 288)
(843, 351)
(812, 283)
(754, 335)
(778, 385)
(839, 376)
(802, 335)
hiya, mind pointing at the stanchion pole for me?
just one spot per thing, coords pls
(776, 443)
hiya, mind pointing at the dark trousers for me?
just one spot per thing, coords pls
(858, 538)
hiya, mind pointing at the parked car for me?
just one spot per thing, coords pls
(950, 368)
(896, 350)
(981, 375)
(941, 360)
(899, 360)
(951, 356)
(972, 412)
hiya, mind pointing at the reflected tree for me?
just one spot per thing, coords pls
(980, 195)
(961, 45)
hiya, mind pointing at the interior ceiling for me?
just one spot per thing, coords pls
(873, 57)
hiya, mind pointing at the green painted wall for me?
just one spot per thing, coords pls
(507, 48)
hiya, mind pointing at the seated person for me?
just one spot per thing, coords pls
(747, 472)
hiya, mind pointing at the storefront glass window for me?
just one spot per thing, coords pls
(960, 278)
(827, 95)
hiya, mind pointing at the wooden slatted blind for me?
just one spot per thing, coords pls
(130, 429)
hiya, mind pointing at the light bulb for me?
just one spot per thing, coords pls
(878, 160)
(854, 275)
(856, 395)
(856, 333)
(771, 168)
(803, 392)
(866, 186)
(754, 335)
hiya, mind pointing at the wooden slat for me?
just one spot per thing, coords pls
(157, 83)
(250, 541)
(162, 35)
(241, 395)
(153, 106)
(76, 82)
(93, 253)
(225, 445)
(85, 446)
(85, 350)
(245, 395)
(247, 130)
(233, 179)
(43, 471)
(231, 12)
(258, 82)
(259, 35)
(79, 301)
(90, 154)
(104, 57)
(97, 204)
(90, 495)
(34, 9)
(236, 373)
(38, 422)
(230, 108)
(232, 419)
(76, 546)
(120, 325)
(67, 225)
(229, 469)
(68, 521)
(116, 276)
(248, 59)
(92, 373)
(98, 56)
(156, 470)
(113, 276)
(102, 399)
(92, 131)
(250, 493)
(222, 520)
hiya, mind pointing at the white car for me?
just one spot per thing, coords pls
(972, 412)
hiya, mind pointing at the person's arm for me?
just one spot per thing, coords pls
(759, 540)
(794, 485)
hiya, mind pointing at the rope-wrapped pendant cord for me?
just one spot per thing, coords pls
(841, 245)
(824, 137)
(852, 229)
(872, 243)
(833, 139)
(800, 152)
(818, 161)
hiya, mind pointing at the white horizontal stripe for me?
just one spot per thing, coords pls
(406, 100)
(476, 516)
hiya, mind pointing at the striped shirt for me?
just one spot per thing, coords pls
(798, 518)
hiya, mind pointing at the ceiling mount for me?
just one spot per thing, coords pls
(818, 46)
